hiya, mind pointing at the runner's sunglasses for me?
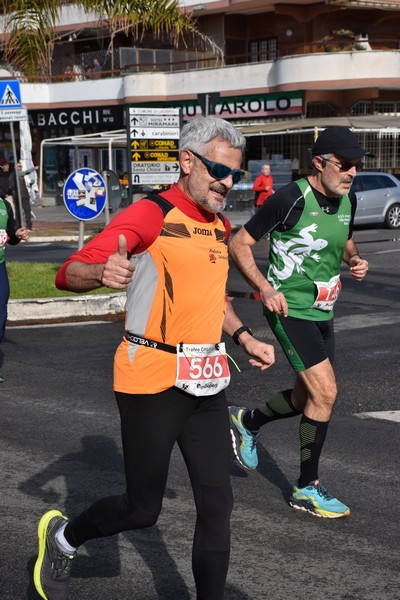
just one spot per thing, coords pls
(218, 170)
(346, 165)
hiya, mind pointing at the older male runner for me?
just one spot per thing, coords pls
(310, 223)
(170, 369)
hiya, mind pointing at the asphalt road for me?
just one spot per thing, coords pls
(60, 447)
(43, 252)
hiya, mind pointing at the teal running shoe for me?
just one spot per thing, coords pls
(315, 499)
(243, 441)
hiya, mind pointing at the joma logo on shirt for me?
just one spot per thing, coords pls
(199, 231)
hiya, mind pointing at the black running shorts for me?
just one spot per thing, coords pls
(305, 343)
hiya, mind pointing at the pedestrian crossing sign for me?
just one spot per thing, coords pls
(10, 94)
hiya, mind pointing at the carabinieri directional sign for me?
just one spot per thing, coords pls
(84, 194)
(154, 141)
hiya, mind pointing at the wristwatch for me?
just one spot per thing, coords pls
(241, 329)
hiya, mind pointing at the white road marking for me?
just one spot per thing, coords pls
(364, 321)
(387, 415)
(69, 324)
(388, 251)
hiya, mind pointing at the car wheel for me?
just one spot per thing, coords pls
(392, 217)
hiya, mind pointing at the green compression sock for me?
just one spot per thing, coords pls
(312, 437)
(278, 407)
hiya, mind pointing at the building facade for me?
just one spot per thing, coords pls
(283, 70)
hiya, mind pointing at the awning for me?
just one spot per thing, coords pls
(379, 4)
(372, 123)
(105, 139)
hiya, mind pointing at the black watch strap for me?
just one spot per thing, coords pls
(241, 329)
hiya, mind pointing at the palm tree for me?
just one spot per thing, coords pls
(30, 27)
(139, 16)
(28, 40)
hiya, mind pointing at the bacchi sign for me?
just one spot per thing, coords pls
(111, 116)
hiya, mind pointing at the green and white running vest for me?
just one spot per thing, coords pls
(304, 262)
(3, 227)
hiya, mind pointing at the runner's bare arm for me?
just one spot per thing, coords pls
(240, 249)
(358, 265)
(116, 273)
(262, 354)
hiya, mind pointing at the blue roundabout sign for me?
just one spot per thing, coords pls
(84, 194)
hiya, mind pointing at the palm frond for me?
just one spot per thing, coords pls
(29, 26)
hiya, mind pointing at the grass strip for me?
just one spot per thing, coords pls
(36, 280)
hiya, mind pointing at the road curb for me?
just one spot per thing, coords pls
(54, 238)
(43, 309)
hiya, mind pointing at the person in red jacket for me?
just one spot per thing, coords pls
(262, 186)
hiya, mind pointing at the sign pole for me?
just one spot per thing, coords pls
(107, 205)
(81, 234)
(17, 181)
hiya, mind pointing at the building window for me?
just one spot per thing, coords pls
(376, 107)
(361, 108)
(317, 110)
(261, 50)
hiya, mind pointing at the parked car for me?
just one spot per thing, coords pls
(378, 199)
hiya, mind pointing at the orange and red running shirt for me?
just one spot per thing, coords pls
(178, 289)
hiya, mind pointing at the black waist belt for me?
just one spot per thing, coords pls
(133, 338)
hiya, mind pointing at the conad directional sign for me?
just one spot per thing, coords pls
(154, 142)
(85, 194)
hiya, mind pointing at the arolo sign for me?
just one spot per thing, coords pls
(283, 104)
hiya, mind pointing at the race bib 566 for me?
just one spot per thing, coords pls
(202, 369)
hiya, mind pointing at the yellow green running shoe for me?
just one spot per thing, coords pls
(315, 499)
(53, 566)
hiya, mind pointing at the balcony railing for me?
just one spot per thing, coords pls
(135, 60)
(124, 61)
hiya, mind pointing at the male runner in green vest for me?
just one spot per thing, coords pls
(310, 222)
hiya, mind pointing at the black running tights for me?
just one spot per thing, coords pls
(150, 425)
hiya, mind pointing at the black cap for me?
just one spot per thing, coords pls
(338, 140)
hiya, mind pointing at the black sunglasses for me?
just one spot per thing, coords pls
(346, 165)
(218, 170)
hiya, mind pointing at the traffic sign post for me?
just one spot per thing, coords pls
(11, 110)
(84, 195)
(208, 103)
(114, 194)
(154, 145)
